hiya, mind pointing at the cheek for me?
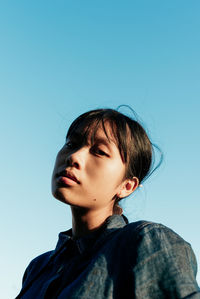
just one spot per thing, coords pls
(60, 158)
(55, 166)
(111, 173)
(58, 163)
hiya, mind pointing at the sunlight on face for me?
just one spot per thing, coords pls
(89, 175)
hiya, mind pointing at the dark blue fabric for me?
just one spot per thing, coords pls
(142, 260)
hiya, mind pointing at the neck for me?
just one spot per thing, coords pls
(86, 221)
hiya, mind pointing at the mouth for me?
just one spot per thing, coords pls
(69, 175)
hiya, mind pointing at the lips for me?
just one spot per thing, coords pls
(69, 175)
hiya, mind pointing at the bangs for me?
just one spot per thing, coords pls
(87, 125)
(131, 139)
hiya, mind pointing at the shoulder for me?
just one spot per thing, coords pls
(36, 265)
(160, 257)
(150, 237)
(41, 259)
(151, 241)
(154, 232)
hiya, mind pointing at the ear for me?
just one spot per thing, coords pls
(128, 186)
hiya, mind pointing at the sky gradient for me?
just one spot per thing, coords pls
(60, 59)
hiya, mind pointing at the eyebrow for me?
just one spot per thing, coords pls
(103, 140)
(75, 135)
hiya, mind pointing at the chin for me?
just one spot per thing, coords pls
(58, 194)
(61, 196)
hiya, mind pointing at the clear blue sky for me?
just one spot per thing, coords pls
(61, 58)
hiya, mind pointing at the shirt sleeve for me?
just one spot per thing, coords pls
(165, 265)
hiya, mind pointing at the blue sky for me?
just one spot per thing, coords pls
(61, 58)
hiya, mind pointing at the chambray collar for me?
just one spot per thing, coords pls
(94, 239)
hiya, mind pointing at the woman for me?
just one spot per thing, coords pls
(105, 158)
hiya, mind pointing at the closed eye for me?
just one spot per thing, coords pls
(98, 151)
(70, 145)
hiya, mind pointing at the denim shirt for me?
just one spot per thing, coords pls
(141, 260)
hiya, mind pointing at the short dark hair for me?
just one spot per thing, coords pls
(136, 149)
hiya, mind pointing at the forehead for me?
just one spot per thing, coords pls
(94, 131)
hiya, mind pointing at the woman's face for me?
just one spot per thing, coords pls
(89, 175)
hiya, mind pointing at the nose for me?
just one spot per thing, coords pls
(77, 158)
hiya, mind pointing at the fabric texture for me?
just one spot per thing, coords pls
(141, 260)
